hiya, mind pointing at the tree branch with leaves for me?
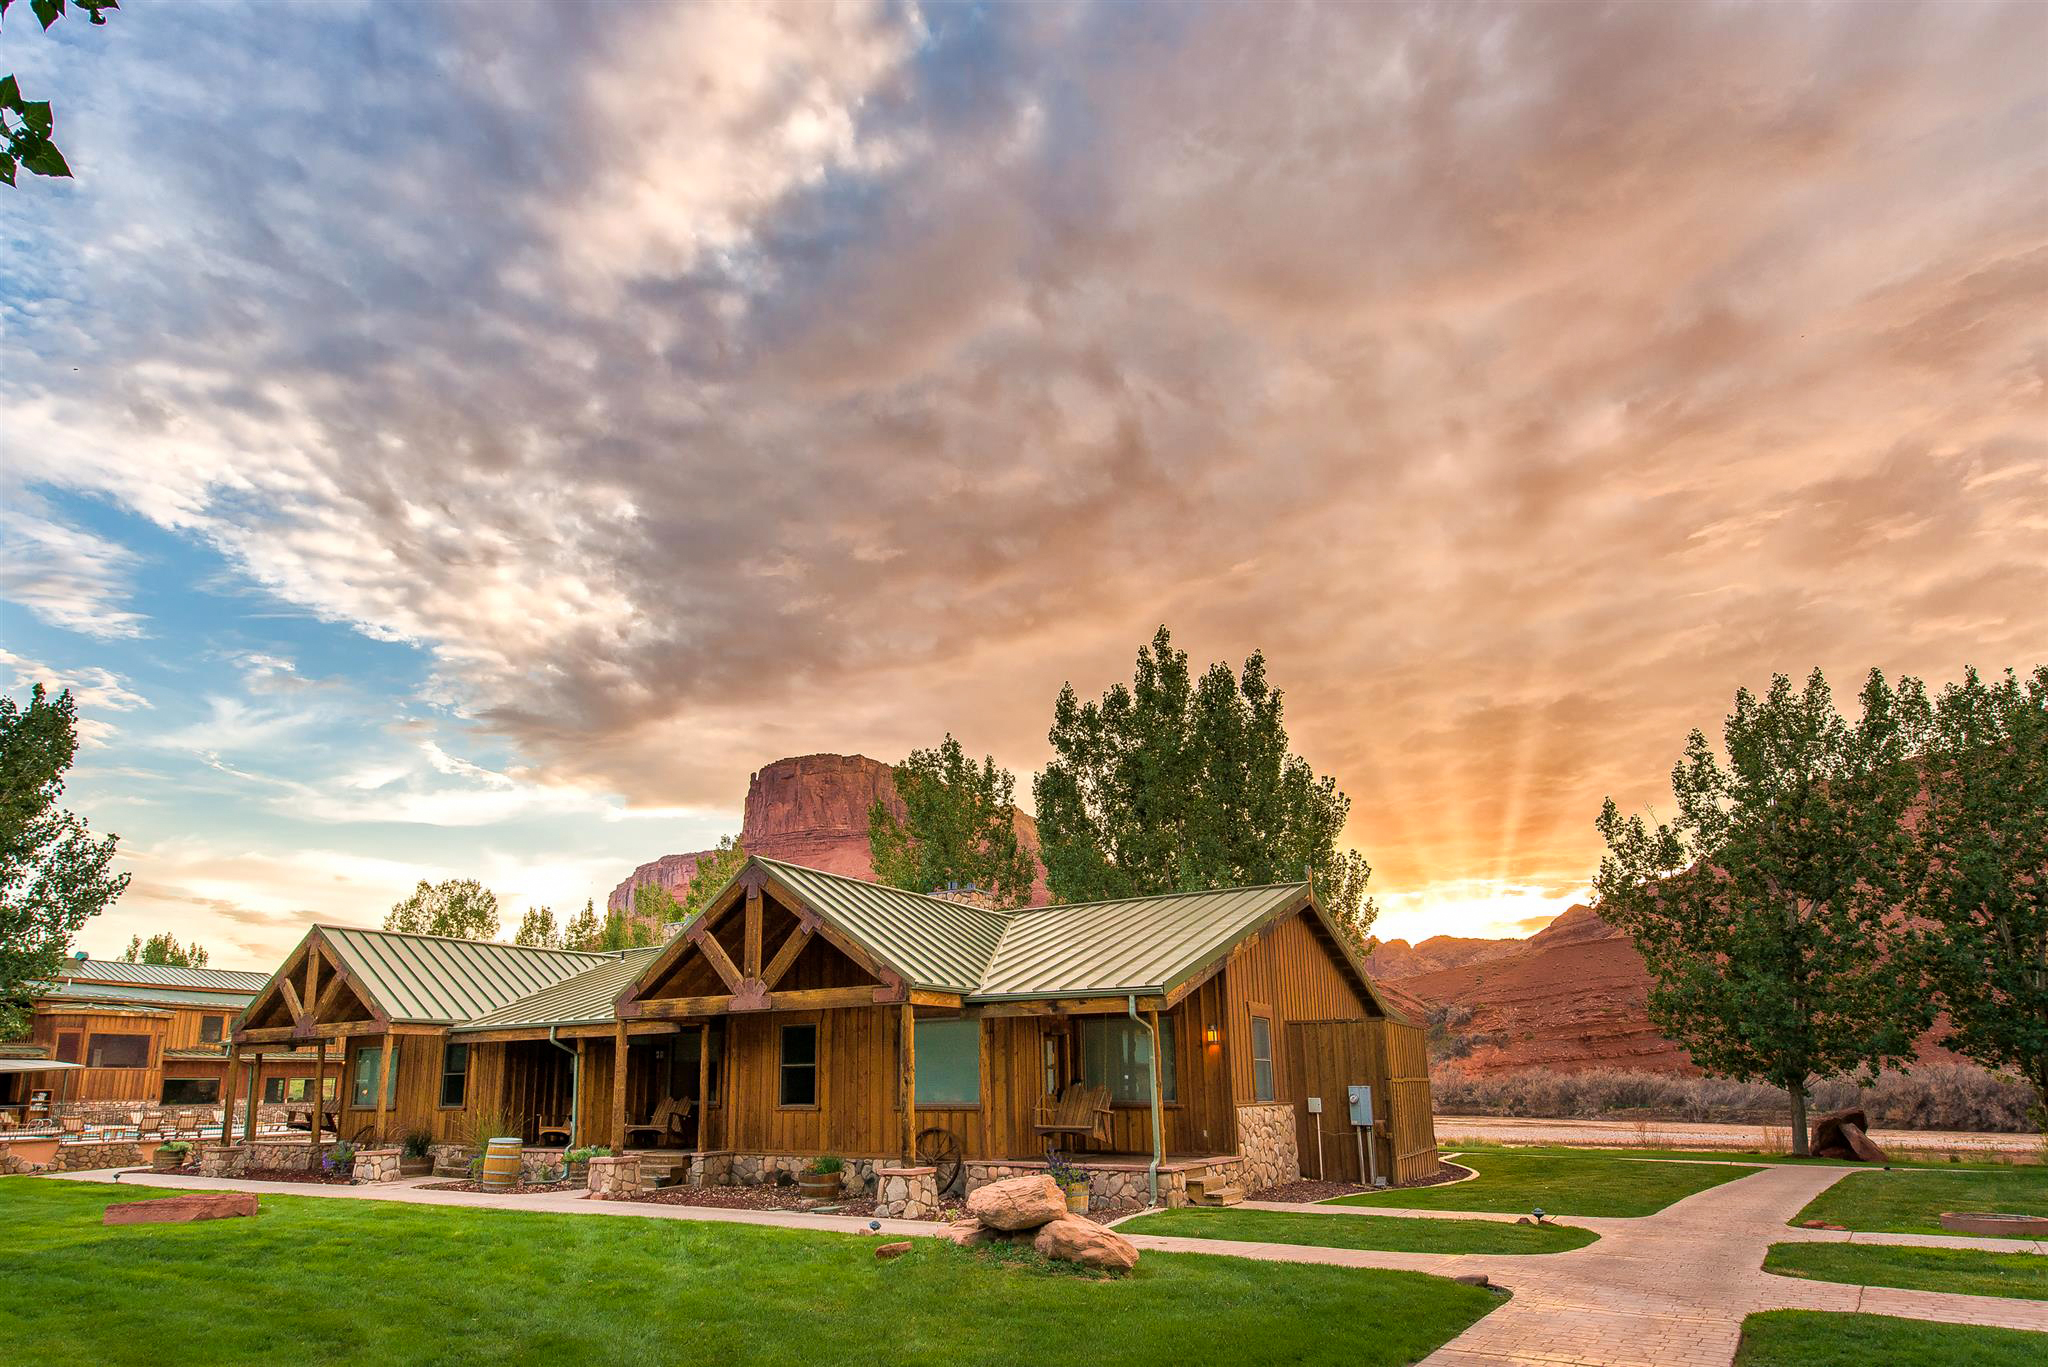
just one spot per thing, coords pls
(26, 125)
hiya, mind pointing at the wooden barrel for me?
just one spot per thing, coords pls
(501, 1164)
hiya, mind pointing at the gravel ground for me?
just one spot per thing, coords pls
(522, 1189)
(287, 1175)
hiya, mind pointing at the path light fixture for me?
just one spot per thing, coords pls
(1538, 1213)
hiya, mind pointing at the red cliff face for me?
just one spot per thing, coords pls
(810, 810)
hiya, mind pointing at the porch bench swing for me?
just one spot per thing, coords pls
(1080, 1111)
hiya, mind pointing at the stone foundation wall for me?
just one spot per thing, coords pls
(1267, 1142)
(907, 1194)
(376, 1165)
(283, 1153)
(613, 1176)
(857, 1178)
(221, 1160)
(1108, 1188)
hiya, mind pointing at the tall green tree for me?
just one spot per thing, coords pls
(1765, 909)
(54, 876)
(26, 125)
(1979, 882)
(460, 908)
(625, 930)
(537, 929)
(960, 827)
(584, 929)
(163, 948)
(1173, 783)
(714, 871)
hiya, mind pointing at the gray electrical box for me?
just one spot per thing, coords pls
(1360, 1097)
(1315, 1105)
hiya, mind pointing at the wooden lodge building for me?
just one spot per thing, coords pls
(1169, 1039)
(123, 1036)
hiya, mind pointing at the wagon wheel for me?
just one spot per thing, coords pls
(939, 1150)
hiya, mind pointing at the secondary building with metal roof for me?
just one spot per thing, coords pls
(1181, 1037)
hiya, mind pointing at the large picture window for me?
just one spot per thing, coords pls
(363, 1095)
(949, 1063)
(454, 1074)
(799, 1065)
(1116, 1052)
(191, 1091)
(299, 1088)
(118, 1051)
(1262, 1058)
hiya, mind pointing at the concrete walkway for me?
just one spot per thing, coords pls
(1669, 1288)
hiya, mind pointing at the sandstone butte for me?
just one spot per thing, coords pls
(810, 810)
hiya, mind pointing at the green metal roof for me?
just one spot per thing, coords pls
(432, 980)
(229, 1002)
(585, 999)
(933, 942)
(1132, 944)
(164, 975)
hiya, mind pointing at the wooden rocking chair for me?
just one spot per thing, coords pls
(1080, 1111)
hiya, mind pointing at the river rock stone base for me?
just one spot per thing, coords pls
(1268, 1145)
(377, 1165)
(907, 1194)
(615, 1176)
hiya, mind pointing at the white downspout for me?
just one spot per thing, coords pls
(1151, 1067)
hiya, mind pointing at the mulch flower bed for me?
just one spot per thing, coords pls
(316, 1177)
(764, 1197)
(522, 1189)
(1307, 1190)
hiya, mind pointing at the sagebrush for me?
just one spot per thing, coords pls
(1935, 1097)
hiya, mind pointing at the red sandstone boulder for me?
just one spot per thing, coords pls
(969, 1232)
(1841, 1135)
(1077, 1239)
(896, 1250)
(182, 1210)
(1017, 1203)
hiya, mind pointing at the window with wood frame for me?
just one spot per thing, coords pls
(191, 1091)
(1116, 1052)
(799, 1066)
(454, 1074)
(68, 1046)
(948, 1062)
(117, 1051)
(1262, 1057)
(369, 1062)
(273, 1091)
(299, 1088)
(209, 1029)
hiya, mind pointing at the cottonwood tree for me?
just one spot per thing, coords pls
(959, 826)
(54, 876)
(714, 870)
(460, 908)
(163, 948)
(537, 929)
(1766, 909)
(1979, 880)
(1174, 784)
(584, 929)
(26, 125)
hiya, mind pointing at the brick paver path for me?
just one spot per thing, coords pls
(1669, 1288)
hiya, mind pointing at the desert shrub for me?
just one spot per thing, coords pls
(1445, 1032)
(418, 1143)
(1935, 1097)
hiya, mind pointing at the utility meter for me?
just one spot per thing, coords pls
(1360, 1096)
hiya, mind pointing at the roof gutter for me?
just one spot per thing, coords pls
(575, 1084)
(1152, 1067)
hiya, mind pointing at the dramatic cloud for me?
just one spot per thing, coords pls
(700, 385)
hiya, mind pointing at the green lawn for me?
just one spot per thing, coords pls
(1386, 1233)
(1749, 1156)
(1561, 1181)
(327, 1281)
(1968, 1271)
(1908, 1202)
(1817, 1338)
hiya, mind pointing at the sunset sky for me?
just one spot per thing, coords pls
(467, 439)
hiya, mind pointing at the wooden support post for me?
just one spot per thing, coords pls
(227, 1101)
(383, 1086)
(703, 1083)
(751, 950)
(579, 1122)
(317, 1094)
(906, 1085)
(255, 1073)
(621, 1053)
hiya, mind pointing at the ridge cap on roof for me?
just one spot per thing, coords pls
(886, 887)
(1160, 896)
(463, 940)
